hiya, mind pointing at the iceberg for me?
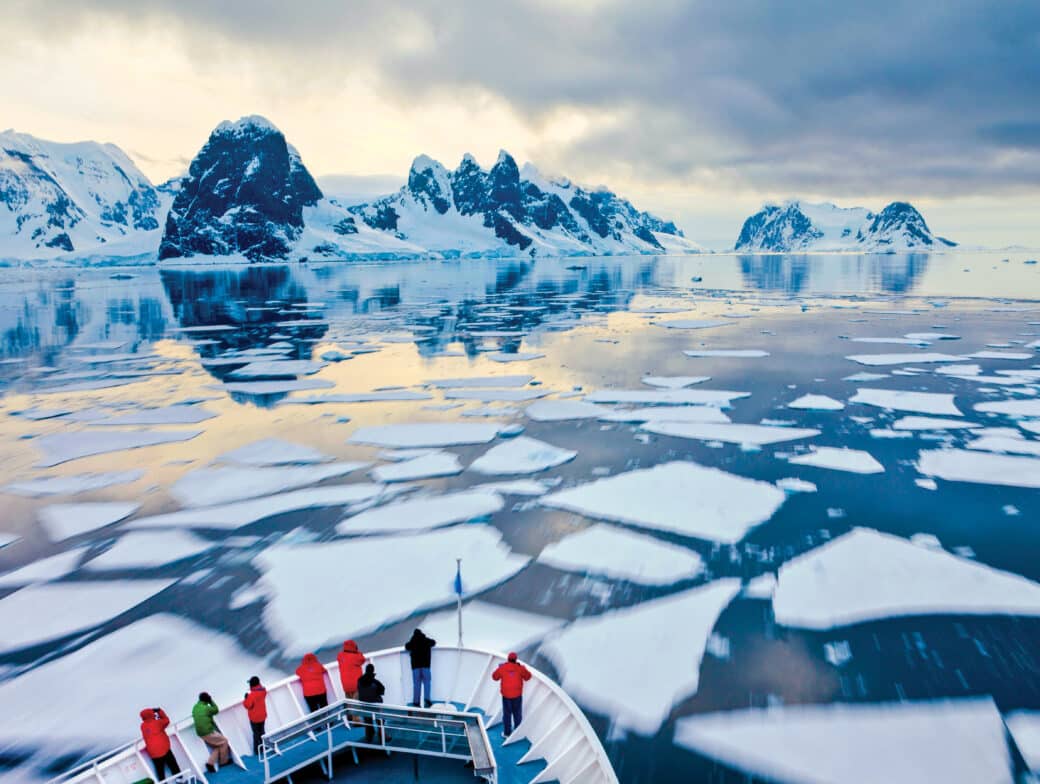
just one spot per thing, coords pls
(852, 460)
(817, 403)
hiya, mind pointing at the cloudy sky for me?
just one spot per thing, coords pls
(700, 111)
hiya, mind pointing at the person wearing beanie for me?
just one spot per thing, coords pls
(512, 675)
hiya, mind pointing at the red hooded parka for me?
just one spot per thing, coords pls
(255, 704)
(311, 673)
(512, 674)
(153, 730)
(351, 661)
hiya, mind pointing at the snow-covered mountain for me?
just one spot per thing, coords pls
(73, 199)
(508, 212)
(800, 226)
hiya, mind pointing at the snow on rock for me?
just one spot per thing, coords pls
(59, 448)
(932, 423)
(63, 521)
(425, 434)
(424, 467)
(1025, 729)
(875, 360)
(491, 627)
(71, 485)
(895, 743)
(562, 410)
(668, 414)
(422, 514)
(225, 484)
(521, 455)
(1025, 408)
(674, 382)
(123, 663)
(603, 678)
(817, 403)
(413, 574)
(679, 497)
(865, 575)
(42, 613)
(149, 549)
(899, 400)
(731, 433)
(273, 452)
(672, 397)
(728, 353)
(612, 552)
(479, 381)
(852, 460)
(964, 465)
(43, 570)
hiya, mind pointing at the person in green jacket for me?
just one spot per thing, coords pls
(202, 714)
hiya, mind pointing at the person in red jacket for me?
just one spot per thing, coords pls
(512, 675)
(255, 703)
(154, 722)
(311, 673)
(351, 661)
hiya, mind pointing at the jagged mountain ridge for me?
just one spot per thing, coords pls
(801, 226)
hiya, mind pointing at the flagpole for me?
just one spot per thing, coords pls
(458, 594)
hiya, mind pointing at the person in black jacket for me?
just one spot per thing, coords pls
(370, 689)
(420, 647)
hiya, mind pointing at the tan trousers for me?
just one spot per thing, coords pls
(221, 749)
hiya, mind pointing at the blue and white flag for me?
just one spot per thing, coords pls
(458, 578)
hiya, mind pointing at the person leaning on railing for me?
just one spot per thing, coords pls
(370, 689)
(255, 703)
(206, 728)
(154, 722)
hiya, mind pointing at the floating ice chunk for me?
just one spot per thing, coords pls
(959, 370)
(674, 382)
(70, 485)
(930, 541)
(899, 400)
(425, 467)
(926, 484)
(622, 555)
(167, 415)
(149, 549)
(62, 447)
(668, 414)
(245, 512)
(425, 434)
(932, 423)
(497, 395)
(124, 663)
(42, 613)
(1026, 408)
(863, 377)
(480, 381)
(276, 387)
(398, 455)
(794, 485)
(63, 521)
(865, 575)
(521, 455)
(377, 396)
(560, 410)
(963, 465)
(852, 460)
(1025, 729)
(527, 487)
(657, 397)
(875, 360)
(928, 337)
(280, 368)
(761, 587)
(423, 514)
(225, 484)
(817, 403)
(519, 356)
(1018, 446)
(39, 414)
(603, 678)
(7, 539)
(492, 627)
(838, 652)
(904, 341)
(881, 432)
(1018, 355)
(273, 452)
(895, 743)
(759, 435)
(679, 497)
(691, 324)
(413, 574)
(43, 570)
(728, 353)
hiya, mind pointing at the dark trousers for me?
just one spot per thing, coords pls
(164, 762)
(317, 702)
(512, 713)
(258, 734)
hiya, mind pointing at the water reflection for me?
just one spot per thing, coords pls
(895, 274)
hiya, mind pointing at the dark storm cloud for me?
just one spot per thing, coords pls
(918, 96)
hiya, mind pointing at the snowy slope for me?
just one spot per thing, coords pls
(64, 200)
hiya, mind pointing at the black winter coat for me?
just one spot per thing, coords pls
(419, 647)
(370, 689)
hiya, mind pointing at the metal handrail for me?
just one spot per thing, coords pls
(93, 763)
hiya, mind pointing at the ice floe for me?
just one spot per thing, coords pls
(759, 435)
(491, 627)
(817, 403)
(149, 549)
(422, 514)
(278, 368)
(276, 387)
(59, 448)
(42, 613)
(608, 551)
(71, 485)
(794, 485)
(424, 467)
(895, 743)
(410, 579)
(965, 465)
(899, 400)
(1016, 355)
(668, 414)
(521, 455)
(657, 397)
(377, 396)
(526, 487)
(480, 381)
(692, 324)
(273, 452)
(1024, 408)
(865, 377)
(561, 410)
(1025, 729)
(728, 353)
(875, 360)
(1017, 446)
(602, 676)
(425, 434)
(225, 484)
(680, 497)
(865, 575)
(520, 356)
(43, 570)
(674, 382)
(854, 461)
(497, 395)
(167, 415)
(932, 423)
(63, 521)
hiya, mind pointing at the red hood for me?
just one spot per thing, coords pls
(147, 714)
(350, 646)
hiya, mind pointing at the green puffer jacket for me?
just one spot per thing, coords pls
(203, 714)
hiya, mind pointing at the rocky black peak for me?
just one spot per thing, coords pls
(776, 228)
(428, 183)
(504, 186)
(244, 194)
(468, 187)
(901, 220)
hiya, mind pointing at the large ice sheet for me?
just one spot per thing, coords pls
(43, 570)
(490, 627)
(413, 574)
(521, 455)
(480, 381)
(425, 434)
(422, 467)
(894, 743)
(817, 403)
(917, 357)
(668, 414)
(63, 521)
(562, 410)
(613, 552)
(225, 484)
(1025, 408)
(42, 613)
(272, 452)
(425, 513)
(149, 549)
(964, 465)
(915, 402)
(932, 423)
(1017, 446)
(166, 415)
(692, 397)
(115, 676)
(731, 433)
(61, 447)
(854, 461)
(71, 485)
(680, 497)
(602, 675)
(245, 512)
(865, 575)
